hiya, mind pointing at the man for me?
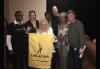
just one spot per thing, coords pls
(75, 38)
(16, 41)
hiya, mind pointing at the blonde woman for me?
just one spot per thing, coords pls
(45, 28)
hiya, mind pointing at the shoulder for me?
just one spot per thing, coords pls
(10, 27)
(50, 31)
(27, 22)
(50, 28)
(78, 22)
(37, 21)
(11, 24)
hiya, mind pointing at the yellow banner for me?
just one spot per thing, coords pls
(40, 50)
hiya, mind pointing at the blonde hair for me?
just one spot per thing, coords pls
(43, 21)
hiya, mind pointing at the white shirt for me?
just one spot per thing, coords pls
(50, 31)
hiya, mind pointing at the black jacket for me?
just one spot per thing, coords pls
(54, 24)
(33, 30)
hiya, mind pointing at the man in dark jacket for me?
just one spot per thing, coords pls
(75, 38)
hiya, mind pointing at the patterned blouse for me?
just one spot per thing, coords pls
(62, 35)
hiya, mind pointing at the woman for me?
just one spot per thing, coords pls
(62, 43)
(45, 29)
(32, 24)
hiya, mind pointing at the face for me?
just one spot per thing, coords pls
(32, 16)
(44, 25)
(63, 19)
(19, 16)
(71, 16)
(55, 10)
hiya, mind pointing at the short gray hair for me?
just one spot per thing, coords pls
(62, 14)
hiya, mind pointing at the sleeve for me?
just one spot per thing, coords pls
(10, 29)
(25, 26)
(50, 31)
(8, 41)
(81, 34)
(37, 23)
(9, 34)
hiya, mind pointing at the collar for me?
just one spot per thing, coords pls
(15, 22)
(73, 21)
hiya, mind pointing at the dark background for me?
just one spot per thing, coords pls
(85, 10)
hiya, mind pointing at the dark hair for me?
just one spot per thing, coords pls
(32, 11)
(47, 13)
(17, 12)
(71, 11)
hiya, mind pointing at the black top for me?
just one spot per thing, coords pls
(33, 30)
(54, 24)
(18, 36)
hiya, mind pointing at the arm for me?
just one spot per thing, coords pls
(8, 41)
(8, 38)
(81, 34)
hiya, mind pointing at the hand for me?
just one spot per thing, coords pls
(55, 38)
(81, 50)
(11, 52)
(28, 29)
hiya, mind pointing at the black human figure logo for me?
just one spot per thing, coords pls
(40, 49)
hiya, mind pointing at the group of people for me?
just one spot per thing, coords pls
(67, 30)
